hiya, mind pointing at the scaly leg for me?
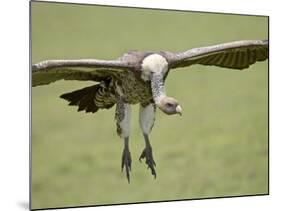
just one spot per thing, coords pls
(146, 119)
(123, 116)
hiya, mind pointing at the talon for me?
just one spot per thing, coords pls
(147, 154)
(142, 155)
(126, 161)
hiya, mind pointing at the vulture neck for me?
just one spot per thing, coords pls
(158, 88)
(154, 68)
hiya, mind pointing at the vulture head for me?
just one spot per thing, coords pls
(170, 106)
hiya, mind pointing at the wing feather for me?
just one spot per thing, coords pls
(49, 71)
(236, 55)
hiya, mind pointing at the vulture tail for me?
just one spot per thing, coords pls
(90, 99)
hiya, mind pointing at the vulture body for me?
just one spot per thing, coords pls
(138, 77)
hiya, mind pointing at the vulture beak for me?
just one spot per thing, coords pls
(179, 110)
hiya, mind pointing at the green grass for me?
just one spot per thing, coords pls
(217, 148)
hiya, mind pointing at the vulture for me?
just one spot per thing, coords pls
(139, 77)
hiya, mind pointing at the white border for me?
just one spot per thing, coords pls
(15, 103)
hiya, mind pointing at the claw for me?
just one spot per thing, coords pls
(147, 154)
(142, 155)
(126, 161)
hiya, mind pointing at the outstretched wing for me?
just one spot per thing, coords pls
(236, 55)
(49, 71)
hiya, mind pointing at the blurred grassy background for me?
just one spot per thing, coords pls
(217, 148)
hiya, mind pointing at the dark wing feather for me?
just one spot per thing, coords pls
(49, 71)
(85, 99)
(236, 55)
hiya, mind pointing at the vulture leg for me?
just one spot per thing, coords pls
(123, 116)
(146, 119)
(126, 158)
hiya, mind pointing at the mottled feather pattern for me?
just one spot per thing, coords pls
(119, 114)
(134, 89)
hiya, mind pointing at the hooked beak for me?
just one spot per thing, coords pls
(179, 110)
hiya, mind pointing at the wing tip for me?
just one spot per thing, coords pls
(35, 67)
(265, 42)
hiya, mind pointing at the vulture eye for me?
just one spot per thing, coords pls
(169, 104)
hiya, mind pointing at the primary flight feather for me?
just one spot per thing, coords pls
(138, 77)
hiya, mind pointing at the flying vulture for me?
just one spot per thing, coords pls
(138, 77)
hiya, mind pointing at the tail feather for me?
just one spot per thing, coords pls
(85, 99)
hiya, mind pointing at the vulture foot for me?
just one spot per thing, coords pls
(147, 154)
(126, 161)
